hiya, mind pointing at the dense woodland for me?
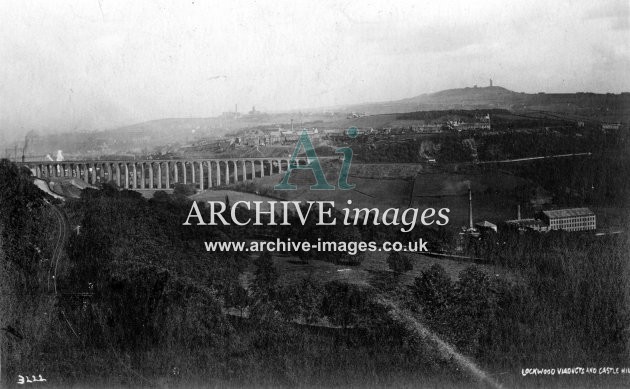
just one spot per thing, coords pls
(140, 302)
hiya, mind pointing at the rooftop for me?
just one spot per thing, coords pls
(526, 222)
(571, 212)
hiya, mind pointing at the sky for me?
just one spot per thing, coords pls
(95, 64)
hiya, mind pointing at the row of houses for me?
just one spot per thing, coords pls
(398, 127)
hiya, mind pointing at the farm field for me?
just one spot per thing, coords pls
(369, 192)
(493, 193)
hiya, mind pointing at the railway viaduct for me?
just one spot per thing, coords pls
(163, 174)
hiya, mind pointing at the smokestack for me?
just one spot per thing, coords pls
(24, 148)
(470, 214)
(518, 212)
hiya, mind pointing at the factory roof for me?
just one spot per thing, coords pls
(526, 222)
(572, 212)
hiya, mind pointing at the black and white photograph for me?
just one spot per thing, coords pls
(314, 194)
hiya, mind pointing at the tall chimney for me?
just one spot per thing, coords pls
(518, 212)
(470, 215)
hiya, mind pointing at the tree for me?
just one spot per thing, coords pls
(20, 218)
(265, 278)
(474, 309)
(434, 291)
(301, 301)
(25, 242)
(398, 262)
(183, 190)
(348, 305)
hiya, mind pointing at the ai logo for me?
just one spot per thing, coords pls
(314, 165)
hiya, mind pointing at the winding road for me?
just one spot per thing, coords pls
(62, 236)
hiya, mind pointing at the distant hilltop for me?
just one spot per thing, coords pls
(499, 97)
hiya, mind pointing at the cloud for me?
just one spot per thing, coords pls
(410, 39)
(617, 11)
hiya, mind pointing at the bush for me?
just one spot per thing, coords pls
(433, 290)
(184, 189)
(398, 262)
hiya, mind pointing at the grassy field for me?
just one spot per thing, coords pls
(491, 199)
(369, 192)
(451, 184)
(372, 271)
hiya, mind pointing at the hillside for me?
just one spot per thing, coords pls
(605, 105)
(169, 133)
(499, 97)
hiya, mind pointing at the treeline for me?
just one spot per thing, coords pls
(22, 209)
(451, 149)
(566, 304)
(510, 121)
(590, 181)
(26, 249)
(440, 115)
(522, 145)
(562, 138)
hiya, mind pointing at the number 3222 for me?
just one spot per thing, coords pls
(23, 381)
